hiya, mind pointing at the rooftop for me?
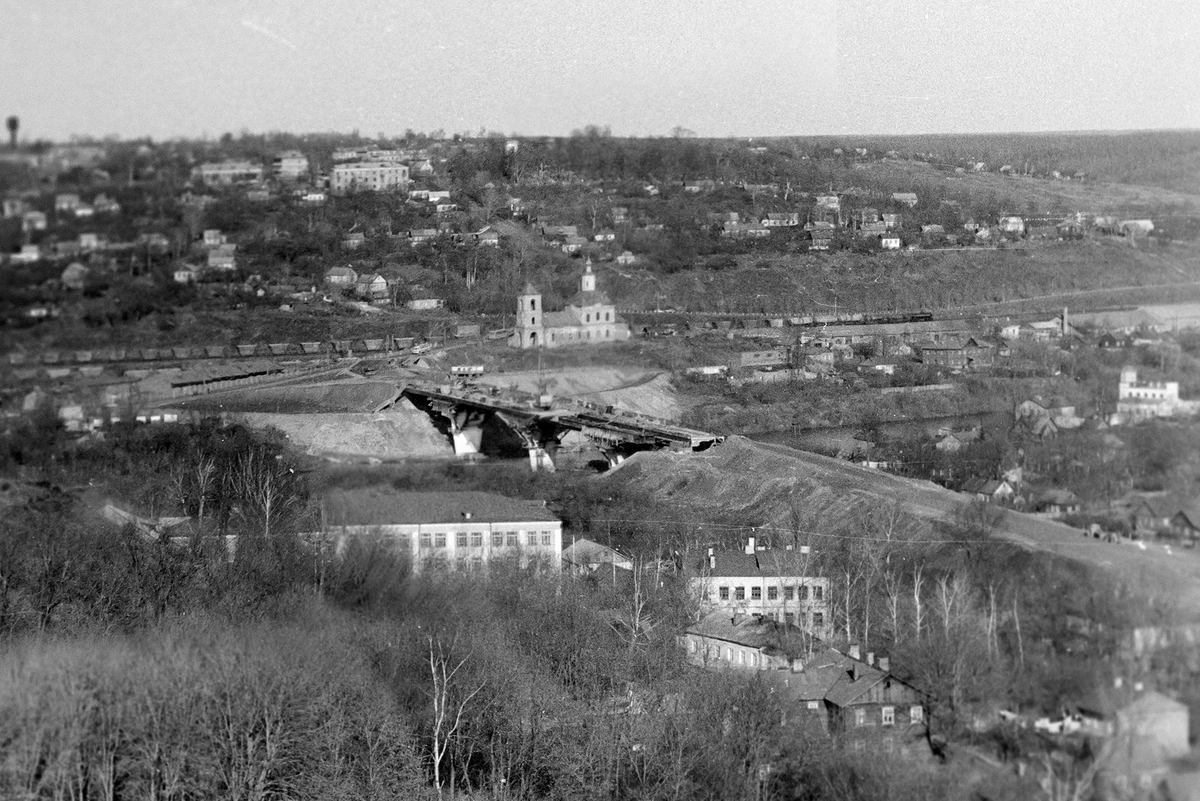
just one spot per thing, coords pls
(385, 506)
(766, 562)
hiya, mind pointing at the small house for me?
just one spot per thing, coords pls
(1185, 524)
(585, 557)
(67, 202)
(990, 490)
(423, 300)
(626, 258)
(1057, 503)
(372, 287)
(1012, 225)
(33, 221)
(905, 198)
(341, 276)
(224, 257)
(185, 273)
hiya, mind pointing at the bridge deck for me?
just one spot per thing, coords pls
(573, 414)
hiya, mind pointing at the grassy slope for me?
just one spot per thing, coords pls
(762, 485)
(955, 281)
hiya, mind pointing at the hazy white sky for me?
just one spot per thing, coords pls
(754, 67)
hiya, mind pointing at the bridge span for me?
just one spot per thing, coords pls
(541, 423)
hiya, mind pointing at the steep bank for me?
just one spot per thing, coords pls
(400, 433)
(772, 485)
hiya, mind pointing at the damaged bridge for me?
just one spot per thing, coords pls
(541, 423)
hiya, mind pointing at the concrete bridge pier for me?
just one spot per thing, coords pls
(466, 428)
(540, 438)
(613, 456)
(540, 460)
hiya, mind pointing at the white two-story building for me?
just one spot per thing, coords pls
(448, 530)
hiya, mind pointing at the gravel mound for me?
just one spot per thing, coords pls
(401, 433)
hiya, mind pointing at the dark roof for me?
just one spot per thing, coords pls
(1191, 514)
(985, 486)
(737, 564)
(587, 552)
(559, 319)
(596, 298)
(381, 506)
(846, 689)
(1060, 497)
(828, 675)
(747, 630)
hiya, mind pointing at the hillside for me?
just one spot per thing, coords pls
(400, 433)
(771, 485)
(798, 284)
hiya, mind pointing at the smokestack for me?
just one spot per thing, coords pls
(885, 664)
(854, 652)
(750, 546)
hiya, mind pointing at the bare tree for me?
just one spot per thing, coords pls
(918, 609)
(264, 486)
(449, 702)
(637, 619)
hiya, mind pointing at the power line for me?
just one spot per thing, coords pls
(777, 529)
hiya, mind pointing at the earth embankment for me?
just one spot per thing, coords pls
(402, 432)
(773, 485)
(634, 389)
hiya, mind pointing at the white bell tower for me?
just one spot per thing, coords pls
(529, 328)
(587, 282)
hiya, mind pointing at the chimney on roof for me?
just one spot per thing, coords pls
(466, 515)
(870, 657)
(854, 672)
(750, 546)
(885, 664)
(854, 653)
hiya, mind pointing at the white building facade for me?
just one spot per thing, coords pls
(766, 582)
(1144, 400)
(368, 176)
(458, 531)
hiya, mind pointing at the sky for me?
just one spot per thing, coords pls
(187, 68)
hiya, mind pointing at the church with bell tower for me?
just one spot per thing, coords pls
(589, 318)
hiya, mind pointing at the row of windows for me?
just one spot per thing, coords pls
(887, 715)
(790, 593)
(587, 318)
(575, 335)
(499, 539)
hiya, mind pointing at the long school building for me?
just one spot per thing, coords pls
(448, 530)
